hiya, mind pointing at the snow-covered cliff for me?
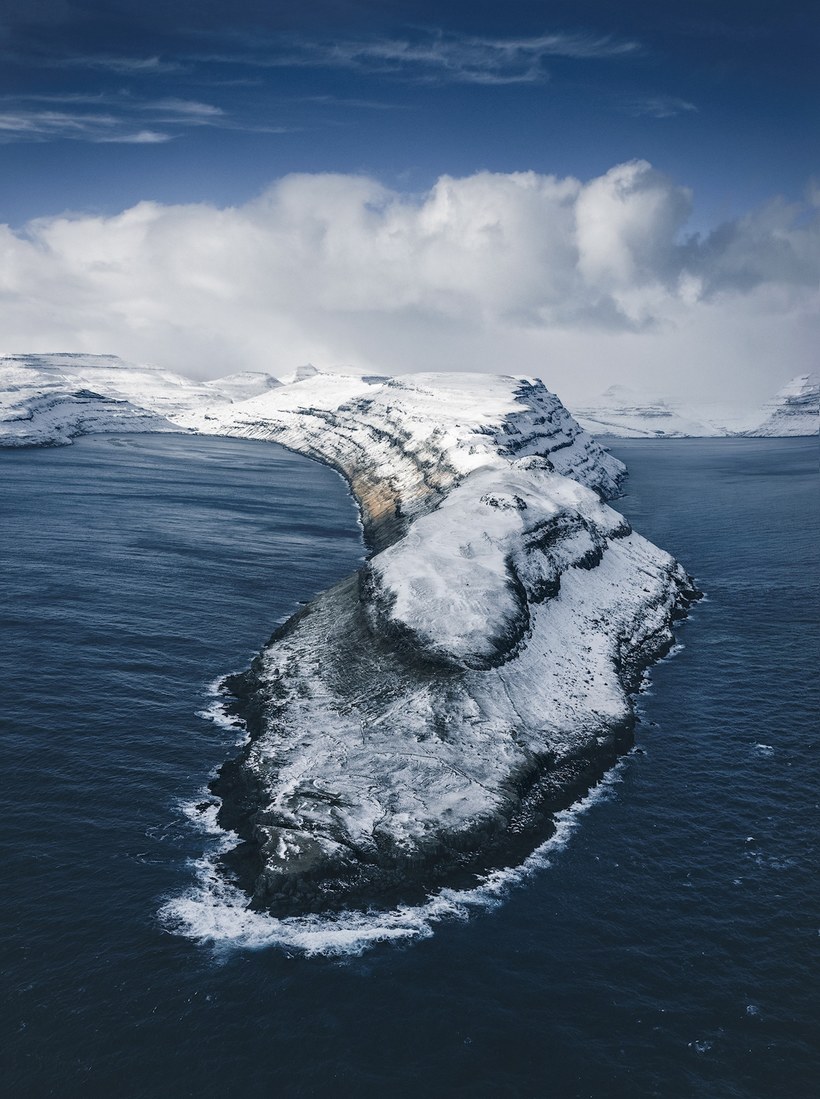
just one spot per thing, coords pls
(620, 412)
(422, 720)
(794, 410)
(404, 442)
(47, 400)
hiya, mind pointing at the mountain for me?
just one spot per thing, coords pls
(422, 720)
(50, 399)
(794, 410)
(620, 412)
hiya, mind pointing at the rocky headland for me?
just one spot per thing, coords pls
(423, 720)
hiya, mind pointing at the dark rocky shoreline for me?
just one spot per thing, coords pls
(389, 877)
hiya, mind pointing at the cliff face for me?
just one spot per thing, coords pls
(423, 719)
(404, 442)
(794, 410)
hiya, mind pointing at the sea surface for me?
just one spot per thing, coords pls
(664, 943)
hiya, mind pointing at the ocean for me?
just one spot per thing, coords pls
(664, 943)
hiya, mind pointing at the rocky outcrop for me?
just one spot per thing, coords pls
(423, 720)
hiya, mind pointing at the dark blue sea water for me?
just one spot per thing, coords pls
(669, 948)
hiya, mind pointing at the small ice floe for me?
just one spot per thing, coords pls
(752, 1009)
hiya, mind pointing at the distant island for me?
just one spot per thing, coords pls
(620, 412)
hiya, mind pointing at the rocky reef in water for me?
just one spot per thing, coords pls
(422, 720)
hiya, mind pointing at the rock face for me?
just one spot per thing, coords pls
(402, 443)
(794, 410)
(422, 720)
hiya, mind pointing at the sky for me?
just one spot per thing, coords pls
(590, 191)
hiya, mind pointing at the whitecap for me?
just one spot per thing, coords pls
(214, 912)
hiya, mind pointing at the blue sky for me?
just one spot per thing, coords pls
(104, 104)
(591, 191)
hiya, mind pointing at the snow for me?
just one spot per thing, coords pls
(794, 410)
(421, 713)
(623, 413)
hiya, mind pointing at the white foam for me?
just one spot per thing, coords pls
(217, 712)
(215, 913)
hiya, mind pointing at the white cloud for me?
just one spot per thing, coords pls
(657, 106)
(435, 56)
(126, 66)
(105, 118)
(582, 283)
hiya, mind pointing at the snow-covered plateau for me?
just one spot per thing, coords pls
(620, 412)
(423, 720)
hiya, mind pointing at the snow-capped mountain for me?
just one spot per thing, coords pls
(50, 399)
(794, 410)
(620, 412)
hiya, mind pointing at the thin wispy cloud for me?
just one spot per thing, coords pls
(186, 108)
(433, 56)
(142, 137)
(110, 118)
(354, 104)
(124, 66)
(657, 106)
(52, 125)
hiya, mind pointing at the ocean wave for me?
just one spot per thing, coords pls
(218, 713)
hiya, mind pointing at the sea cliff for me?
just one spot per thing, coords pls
(421, 721)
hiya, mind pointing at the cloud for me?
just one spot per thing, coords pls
(123, 66)
(434, 56)
(141, 137)
(80, 117)
(185, 108)
(657, 106)
(583, 283)
(51, 125)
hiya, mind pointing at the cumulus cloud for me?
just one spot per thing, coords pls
(583, 283)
